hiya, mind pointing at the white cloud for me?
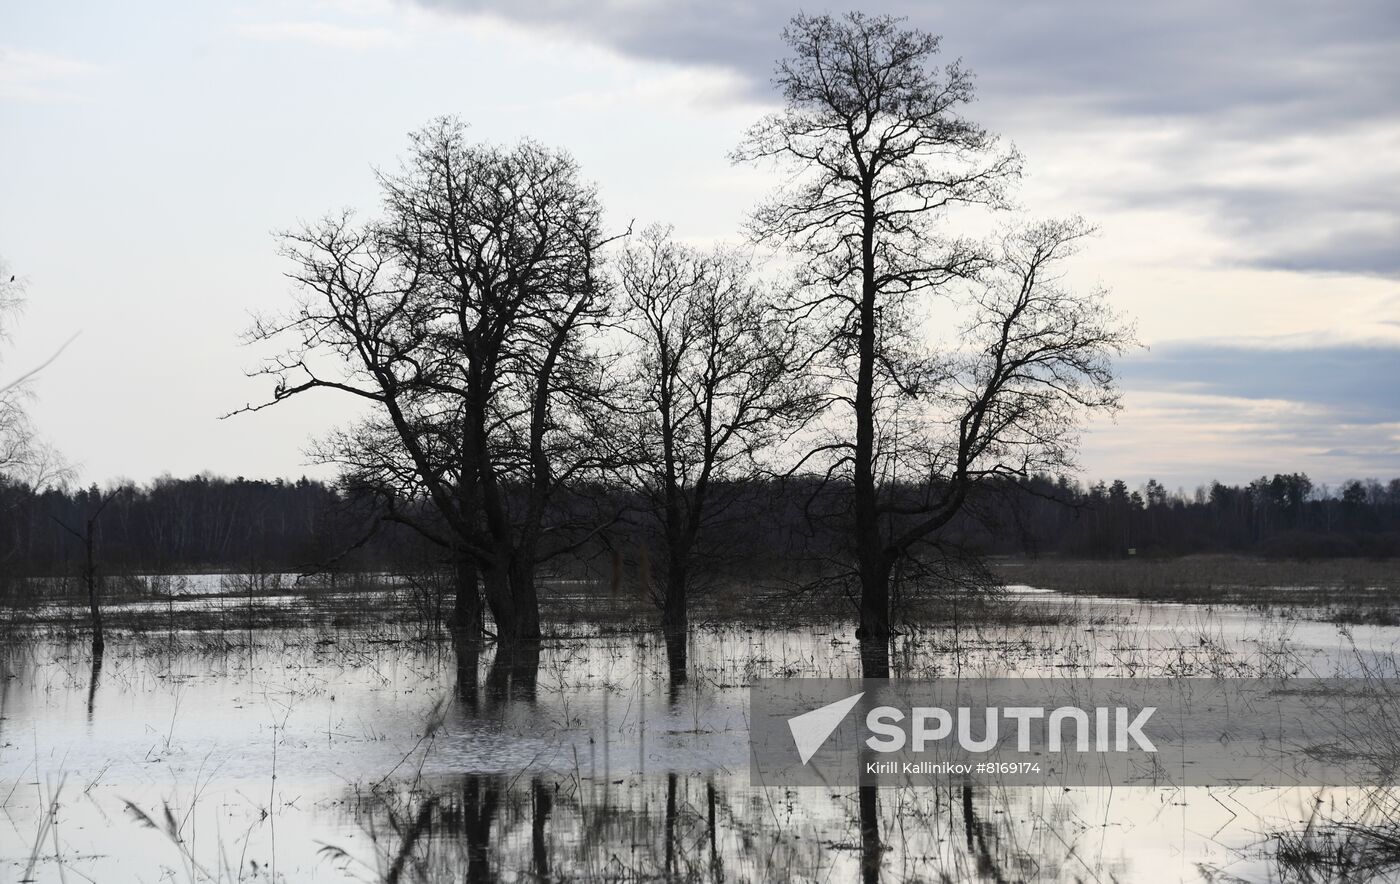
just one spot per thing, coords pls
(34, 75)
(322, 33)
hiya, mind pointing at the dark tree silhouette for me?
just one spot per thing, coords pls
(88, 538)
(717, 384)
(463, 318)
(880, 152)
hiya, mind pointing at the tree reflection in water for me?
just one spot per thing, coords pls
(694, 828)
(700, 826)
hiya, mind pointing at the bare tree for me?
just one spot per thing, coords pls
(88, 538)
(874, 133)
(717, 384)
(464, 318)
(24, 456)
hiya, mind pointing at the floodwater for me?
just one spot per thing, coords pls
(334, 755)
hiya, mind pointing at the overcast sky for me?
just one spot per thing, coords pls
(1242, 161)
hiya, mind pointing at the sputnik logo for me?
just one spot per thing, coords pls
(811, 729)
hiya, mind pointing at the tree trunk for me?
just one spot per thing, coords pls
(480, 796)
(874, 597)
(514, 673)
(94, 675)
(90, 577)
(870, 846)
(514, 602)
(466, 612)
(542, 803)
(616, 585)
(874, 656)
(467, 616)
(670, 826)
(468, 672)
(716, 870)
(675, 619)
(873, 570)
(495, 586)
(874, 633)
(525, 604)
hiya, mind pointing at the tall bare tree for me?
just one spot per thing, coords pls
(881, 155)
(718, 384)
(464, 319)
(24, 455)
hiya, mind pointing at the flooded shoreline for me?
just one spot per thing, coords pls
(304, 753)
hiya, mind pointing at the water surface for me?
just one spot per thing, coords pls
(352, 754)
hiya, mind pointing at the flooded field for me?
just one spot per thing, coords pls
(362, 752)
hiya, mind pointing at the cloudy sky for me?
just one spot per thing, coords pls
(1242, 161)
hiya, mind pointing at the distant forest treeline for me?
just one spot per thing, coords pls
(216, 523)
(1285, 516)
